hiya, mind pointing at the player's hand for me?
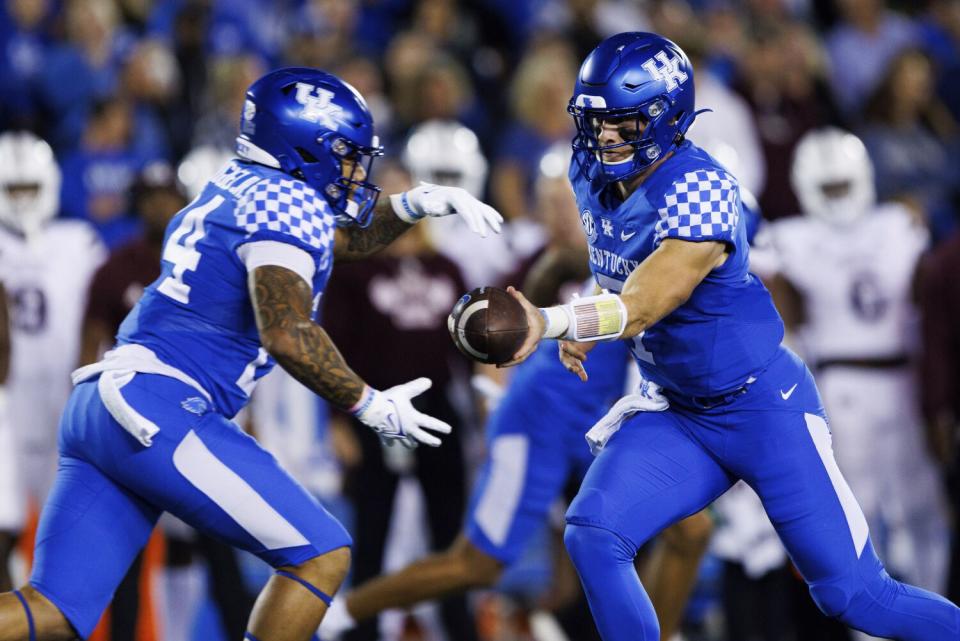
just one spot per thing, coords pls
(394, 418)
(536, 327)
(427, 199)
(573, 355)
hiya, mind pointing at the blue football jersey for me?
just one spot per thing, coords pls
(197, 316)
(729, 329)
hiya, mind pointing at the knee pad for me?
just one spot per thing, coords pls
(831, 599)
(587, 544)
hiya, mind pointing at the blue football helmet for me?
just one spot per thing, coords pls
(305, 122)
(632, 75)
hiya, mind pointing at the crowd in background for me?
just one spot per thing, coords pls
(120, 88)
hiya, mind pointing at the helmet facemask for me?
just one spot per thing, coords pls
(351, 195)
(638, 130)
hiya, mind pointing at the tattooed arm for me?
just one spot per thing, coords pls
(352, 242)
(282, 301)
(396, 214)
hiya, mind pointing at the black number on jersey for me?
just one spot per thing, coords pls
(28, 309)
(866, 297)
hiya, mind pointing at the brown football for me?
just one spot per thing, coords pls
(488, 325)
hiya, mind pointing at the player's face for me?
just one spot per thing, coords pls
(615, 131)
(352, 169)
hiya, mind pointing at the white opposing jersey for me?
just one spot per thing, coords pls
(46, 280)
(855, 281)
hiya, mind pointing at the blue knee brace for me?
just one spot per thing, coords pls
(621, 608)
(869, 600)
(29, 613)
(323, 596)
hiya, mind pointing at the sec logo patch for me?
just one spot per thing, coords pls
(589, 225)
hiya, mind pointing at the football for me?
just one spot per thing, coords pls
(488, 325)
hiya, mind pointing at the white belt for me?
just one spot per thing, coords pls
(647, 398)
(118, 367)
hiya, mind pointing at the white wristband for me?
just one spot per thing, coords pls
(403, 209)
(591, 318)
(558, 321)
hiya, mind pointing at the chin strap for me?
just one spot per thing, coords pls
(26, 609)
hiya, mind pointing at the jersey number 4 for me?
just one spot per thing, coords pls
(181, 249)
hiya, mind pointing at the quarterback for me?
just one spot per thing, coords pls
(148, 428)
(668, 244)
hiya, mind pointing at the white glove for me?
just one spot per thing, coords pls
(647, 398)
(427, 199)
(393, 417)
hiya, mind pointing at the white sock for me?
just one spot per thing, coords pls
(336, 621)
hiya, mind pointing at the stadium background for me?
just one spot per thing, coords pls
(140, 96)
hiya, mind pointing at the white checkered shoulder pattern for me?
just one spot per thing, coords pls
(701, 205)
(290, 207)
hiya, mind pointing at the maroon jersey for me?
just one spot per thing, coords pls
(940, 303)
(388, 316)
(120, 281)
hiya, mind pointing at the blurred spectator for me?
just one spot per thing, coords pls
(229, 76)
(912, 140)
(407, 57)
(785, 85)
(80, 71)
(539, 92)
(323, 33)
(98, 174)
(23, 46)
(150, 80)
(366, 76)
(861, 47)
(727, 131)
(939, 294)
(399, 301)
(941, 40)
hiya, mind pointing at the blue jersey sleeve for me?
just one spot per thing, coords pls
(701, 205)
(288, 211)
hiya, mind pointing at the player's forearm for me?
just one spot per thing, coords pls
(281, 301)
(353, 243)
(310, 356)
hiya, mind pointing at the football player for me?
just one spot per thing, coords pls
(848, 267)
(726, 400)
(148, 428)
(45, 267)
(534, 445)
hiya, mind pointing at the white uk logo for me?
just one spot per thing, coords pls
(668, 70)
(607, 227)
(317, 105)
